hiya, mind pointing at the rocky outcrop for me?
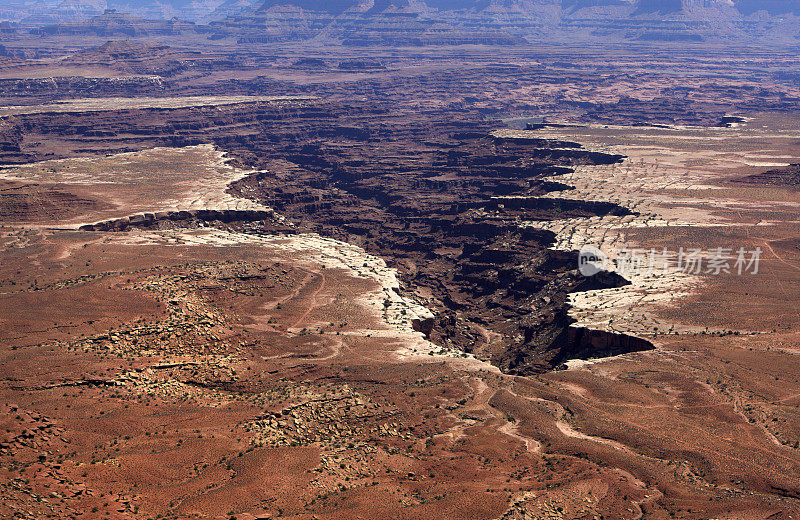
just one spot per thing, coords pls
(788, 176)
(150, 59)
(570, 343)
(583, 343)
(433, 193)
(189, 218)
(113, 23)
(81, 86)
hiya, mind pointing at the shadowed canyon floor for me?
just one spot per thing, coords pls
(310, 307)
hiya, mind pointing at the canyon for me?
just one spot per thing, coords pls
(322, 263)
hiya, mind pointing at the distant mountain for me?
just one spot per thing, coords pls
(337, 7)
(507, 22)
(574, 5)
(430, 22)
(34, 14)
(113, 23)
(637, 7)
(230, 8)
(773, 7)
(30, 12)
(192, 10)
(658, 6)
(333, 7)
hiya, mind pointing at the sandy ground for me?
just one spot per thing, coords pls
(158, 179)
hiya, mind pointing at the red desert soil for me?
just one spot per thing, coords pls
(157, 361)
(208, 373)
